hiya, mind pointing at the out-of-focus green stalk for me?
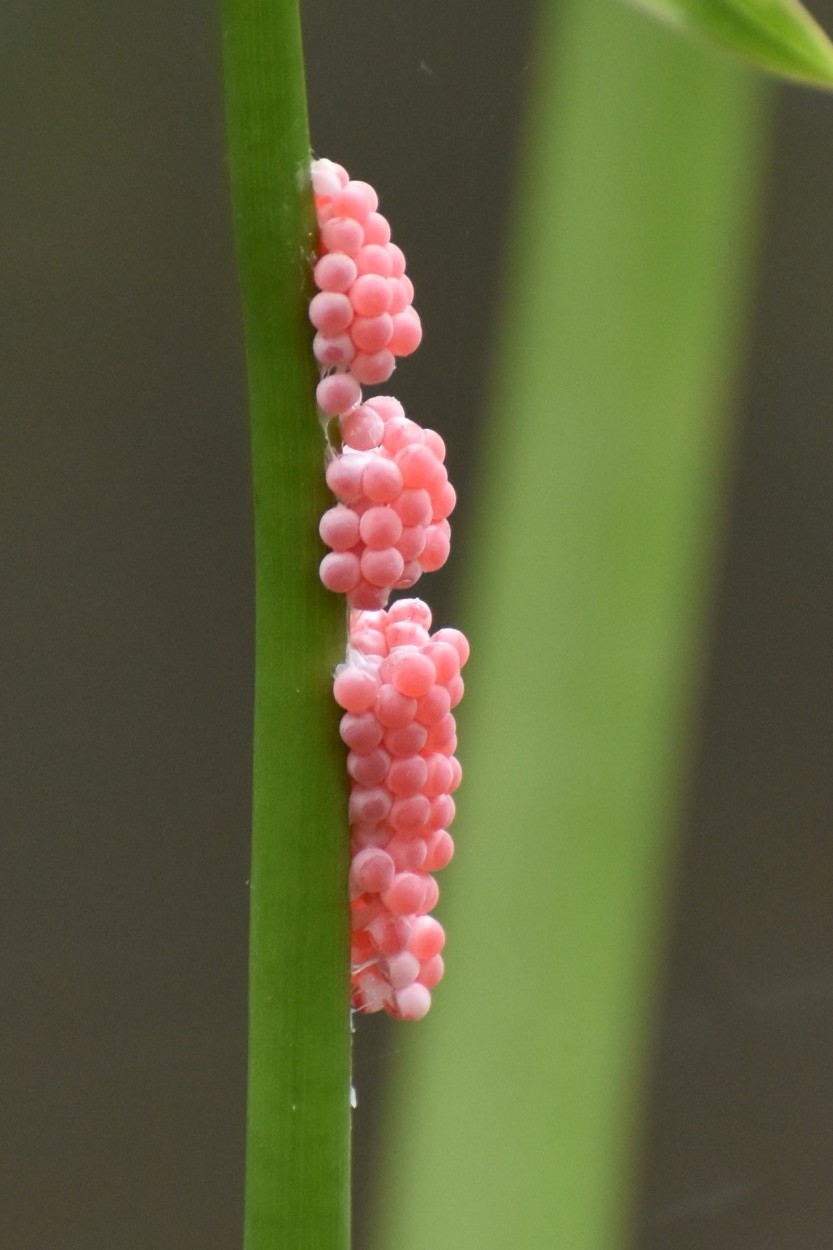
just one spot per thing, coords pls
(515, 1105)
(297, 1160)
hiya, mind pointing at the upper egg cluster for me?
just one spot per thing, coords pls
(363, 312)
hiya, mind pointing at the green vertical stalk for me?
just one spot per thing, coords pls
(297, 1154)
(518, 1116)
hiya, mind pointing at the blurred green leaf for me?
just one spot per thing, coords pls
(777, 35)
(517, 1104)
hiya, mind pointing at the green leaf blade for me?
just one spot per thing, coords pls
(517, 1108)
(779, 36)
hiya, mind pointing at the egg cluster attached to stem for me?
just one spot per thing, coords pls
(399, 683)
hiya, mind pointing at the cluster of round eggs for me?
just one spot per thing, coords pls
(390, 525)
(363, 312)
(391, 522)
(398, 687)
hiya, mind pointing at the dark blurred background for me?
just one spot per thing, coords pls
(127, 625)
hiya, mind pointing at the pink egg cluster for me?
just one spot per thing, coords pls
(391, 522)
(398, 687)
(394, 498)
(363, 312)
(390, 525)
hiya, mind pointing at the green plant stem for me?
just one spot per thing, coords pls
(297, 1151)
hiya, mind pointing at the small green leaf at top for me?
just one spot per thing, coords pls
(776, 35)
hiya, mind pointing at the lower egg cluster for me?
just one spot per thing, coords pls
(398, 687)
